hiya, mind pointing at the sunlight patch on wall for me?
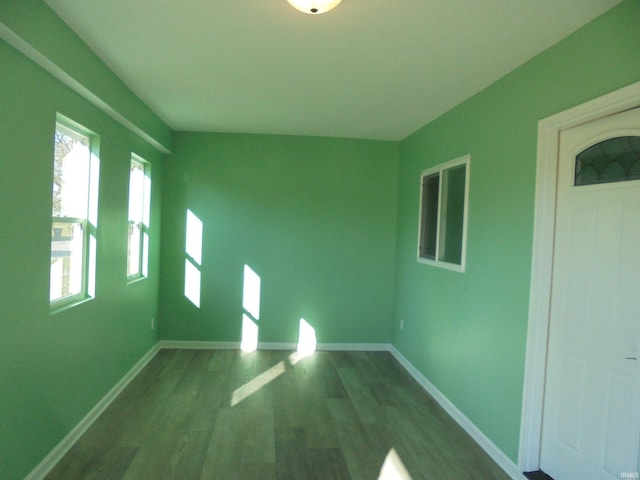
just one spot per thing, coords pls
(307, 342)
(251, 310)
(257, 383)
(249, 341)
(251, 293)
(193, 261)
(194, 237)
(393, 468)
(192, 283)
(306, 339)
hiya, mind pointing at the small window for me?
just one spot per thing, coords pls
(74, 215)
(139, 213)
(443, 214)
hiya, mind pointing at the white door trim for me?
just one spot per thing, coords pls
(542, 258)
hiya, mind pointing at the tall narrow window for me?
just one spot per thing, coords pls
(74, 215)
(139, 213)
(443, 214)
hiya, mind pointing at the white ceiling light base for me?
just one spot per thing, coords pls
(314, 7)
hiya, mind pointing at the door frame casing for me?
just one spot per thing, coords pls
(542, 258)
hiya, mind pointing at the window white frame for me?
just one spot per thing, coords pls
(87, 222)
(139, 220)
(441, 228)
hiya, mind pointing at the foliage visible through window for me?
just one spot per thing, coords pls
(443, 214)
(72, 242)
(139, 209)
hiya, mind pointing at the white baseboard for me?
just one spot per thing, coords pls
(193, 345)
(480, 438)
(198, 345)
(354, 347)
(277, 346)
(59, 451)
(344, 347)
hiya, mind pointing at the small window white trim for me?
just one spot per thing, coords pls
(143, 241)
(88, 222)
(439, 169)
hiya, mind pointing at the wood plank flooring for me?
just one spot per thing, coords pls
(224, 414)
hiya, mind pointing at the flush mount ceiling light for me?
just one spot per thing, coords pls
(314, 7)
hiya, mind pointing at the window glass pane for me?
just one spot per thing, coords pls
(146, 202)
(67, 257)
(145, 254)
(443, 214)
(70, 206)
(70, 174)
(613, 160)
(133, 253)
(430, 198)
(136, 192)
(452, 215)
(138, 239)
(91, 268)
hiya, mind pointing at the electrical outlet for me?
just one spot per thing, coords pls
(153, 323)
(401, 324)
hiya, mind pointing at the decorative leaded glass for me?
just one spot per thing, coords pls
(613, 160)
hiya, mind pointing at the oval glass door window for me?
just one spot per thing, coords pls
(613, 160)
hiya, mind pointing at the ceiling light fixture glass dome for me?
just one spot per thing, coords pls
(314, 7)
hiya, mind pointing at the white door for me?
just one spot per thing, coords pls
(591, 419)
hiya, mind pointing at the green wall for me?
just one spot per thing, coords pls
(55, 368)
(313, 217)
(467, 332)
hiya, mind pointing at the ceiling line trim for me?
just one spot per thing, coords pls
(60, 74)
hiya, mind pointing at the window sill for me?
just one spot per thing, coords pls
(137, 279)
(447, 266)
(62, 306)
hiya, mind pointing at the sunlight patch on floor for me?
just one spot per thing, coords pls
(393, 468)
(306, 347)
(257, 383)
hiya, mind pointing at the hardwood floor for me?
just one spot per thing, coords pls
(223, 414)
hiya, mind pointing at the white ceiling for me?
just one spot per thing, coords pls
(368, 69)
